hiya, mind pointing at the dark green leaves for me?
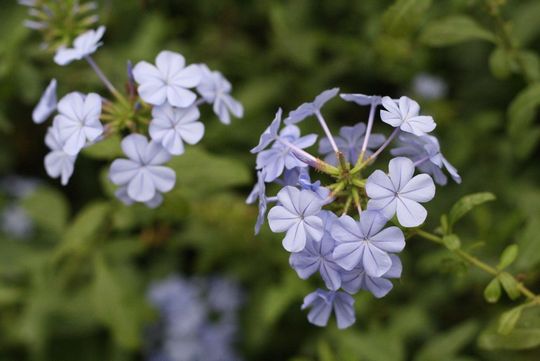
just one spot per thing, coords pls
(48, 208)
(404, 15)
(521, 115)
(454, 29)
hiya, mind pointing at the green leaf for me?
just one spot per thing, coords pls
(492, 292)
(453, 30)
(404, 15)
(510, 285)
(466, 204)
(523, 109)
(508, 320)
(117, 304)
(524, 335)
(531, 64)
(107, 149)
(528, 244)
(85, 227)
(501, 63)
(448, 344)
(48, 208)
(200, 173)
(508, 256)
(444, 224)
(452, 242)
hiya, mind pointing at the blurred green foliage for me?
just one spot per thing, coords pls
(77, 286)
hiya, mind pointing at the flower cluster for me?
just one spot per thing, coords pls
(157, 118)
(197, 319)
(15, 222)
(320, 230)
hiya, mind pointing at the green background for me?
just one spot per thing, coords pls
(76, 288)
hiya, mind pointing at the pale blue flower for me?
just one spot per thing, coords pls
(215, 89)
(280, 156)
(143, 173)
(349, 142)
(307, 109)
(46, 105)
(84, 45)
(317, 256)
(366, 243)
(224, 295)
(15, 222)
(172, 127)
(167, 81)
(270, 134)
(405, 115)
(400, 193)
(78, 120)
(298, 215)
(358, 279)
(323, 302)
(425, 151)
(429, 86)
(58, 163)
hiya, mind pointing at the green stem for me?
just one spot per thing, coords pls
(477, 263)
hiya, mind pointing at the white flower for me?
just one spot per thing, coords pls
(168, 80)
(404, 114)
(215, 89)
(143, 173)
(173, 126)
(85, 44)
(58, 163)
(78, 120)
(46, 105)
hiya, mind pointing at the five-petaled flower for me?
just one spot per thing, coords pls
(168, 80)
(400, 193)
(297, 214)
(84, 45)
(143, 173)
(173, 126)
(78, 120)
(366, 243)
(215, 89)
(404, 114)
(323, 302)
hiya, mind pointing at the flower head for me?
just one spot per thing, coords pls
(366, 243)
(168, 80)
(78, 120)
(307, 109)
(323, 302)
(215, 89)
(297, 214)
(47, 104)
(85, 44)
(280, 156)
(400, 193)
(58, 163)
(349, 142)
(317, 256)
(405, 115)
(143, 173)
(173, 126)
(358, 279)
(425, 151)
